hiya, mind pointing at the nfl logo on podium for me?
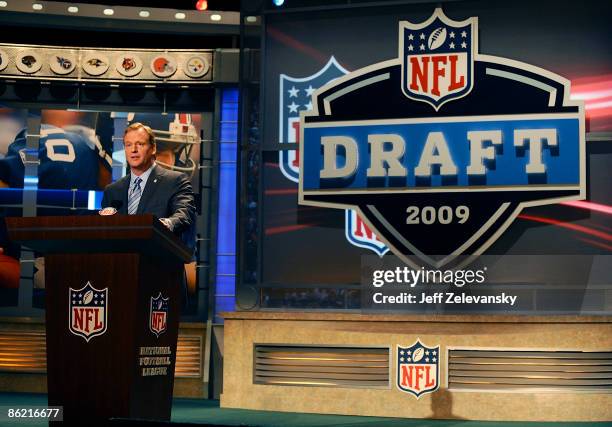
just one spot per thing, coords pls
(158, 315)
(437, 58)
(88, 311)
(418, 369)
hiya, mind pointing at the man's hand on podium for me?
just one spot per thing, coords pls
(167, 223)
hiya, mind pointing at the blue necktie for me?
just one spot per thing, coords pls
(134, 196)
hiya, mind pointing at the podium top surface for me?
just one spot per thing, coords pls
(98, 234)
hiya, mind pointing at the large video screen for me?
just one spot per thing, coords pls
(58, 162)
(308, 248)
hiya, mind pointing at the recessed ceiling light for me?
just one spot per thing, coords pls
(3, 4)
(108, 12)
(73, 9)
(37, 6)
(251, 19)
(144, 14)
(215, 17)
(180, 15)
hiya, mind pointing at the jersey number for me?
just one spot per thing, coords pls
(51, 145)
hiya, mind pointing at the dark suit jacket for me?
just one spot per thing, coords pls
(167, 194)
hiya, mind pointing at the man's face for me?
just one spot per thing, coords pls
(139, 152)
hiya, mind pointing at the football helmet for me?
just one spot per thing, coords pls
(174, 132)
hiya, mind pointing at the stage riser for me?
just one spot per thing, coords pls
(509, 360)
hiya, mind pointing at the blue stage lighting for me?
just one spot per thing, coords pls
(278, 2)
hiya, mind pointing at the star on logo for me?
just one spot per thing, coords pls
(452, 35)
(452, 45)
(422, 36)
(422, 47)
(402, 352)
(293, 107)
(427, 359)
(309, 90)
(464, 45)
(410, 37)
(463, 34)
(410, 48)
(293, 92)
(401, 359)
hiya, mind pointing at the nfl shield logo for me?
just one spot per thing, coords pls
(418, 369)
(88, 308)
(295, 96)
(358, 233)
(158, 315)
(437, 58)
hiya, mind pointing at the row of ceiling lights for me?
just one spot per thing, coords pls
(110, 12)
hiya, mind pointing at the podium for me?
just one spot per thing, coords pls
(112, 312)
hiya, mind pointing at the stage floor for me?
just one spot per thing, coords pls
(208, 412)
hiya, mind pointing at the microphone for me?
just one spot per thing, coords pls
(115, 205)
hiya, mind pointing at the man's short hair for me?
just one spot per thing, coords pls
(138, 125)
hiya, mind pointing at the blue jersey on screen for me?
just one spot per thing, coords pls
(67, 159)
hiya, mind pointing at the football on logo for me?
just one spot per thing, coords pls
(436, 38)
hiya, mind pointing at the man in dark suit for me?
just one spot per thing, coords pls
(150, 188)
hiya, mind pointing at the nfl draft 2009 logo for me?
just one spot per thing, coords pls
(88, 309)
(295, 97)
(439, 149)
(418, 369)
(158, 315)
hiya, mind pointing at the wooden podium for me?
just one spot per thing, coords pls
(113, 306)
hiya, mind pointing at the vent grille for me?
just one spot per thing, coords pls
(530, 370)
(321, 366)
(189, 356)
(25, 352)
